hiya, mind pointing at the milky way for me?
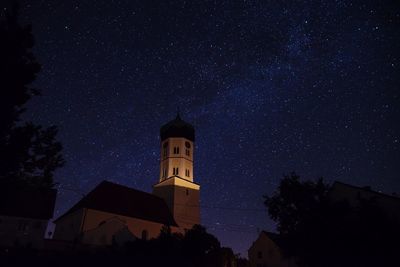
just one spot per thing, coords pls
(310, 86)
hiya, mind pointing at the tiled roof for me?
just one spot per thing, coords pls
(27, 202)
(125, 201)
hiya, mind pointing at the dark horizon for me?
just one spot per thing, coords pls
(270, 88)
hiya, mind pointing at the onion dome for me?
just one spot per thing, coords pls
(177, 128)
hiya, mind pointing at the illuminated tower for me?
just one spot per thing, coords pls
(176, 183)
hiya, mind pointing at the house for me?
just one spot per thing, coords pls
(113, 213)
(390, 204)
(24, 215)
(266, 252)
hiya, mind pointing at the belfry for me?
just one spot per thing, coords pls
(176, 182)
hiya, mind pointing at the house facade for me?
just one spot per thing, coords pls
(265, 252)
(24, 215)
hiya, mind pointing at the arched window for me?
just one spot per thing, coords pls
(145, 234)
(165, 149)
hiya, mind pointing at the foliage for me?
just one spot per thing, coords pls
(168, 249)
(319, 232)
(29, 154)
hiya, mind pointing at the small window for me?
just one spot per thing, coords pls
(187, 191)
(145, 234)
(259, 255)
(175, 171)
(188, 152)
(23, 226)
(176, 150)
(187, 144)
(187, 173)
(164, 173)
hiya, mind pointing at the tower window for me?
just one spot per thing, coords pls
(165, 149)
(175, 171)
(176, 150)
(187, 144)
(187, 172)
(144, 234)
(188, 152)
(164, 174)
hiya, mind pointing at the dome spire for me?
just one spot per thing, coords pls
(177, 128)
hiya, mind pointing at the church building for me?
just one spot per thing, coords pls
(113, 213)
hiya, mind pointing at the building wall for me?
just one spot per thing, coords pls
(94, 219)
(183, 203)
(265, 253)
(19, 231)
(186, 209)
(70, 226)
(98, 227)
(389, 204)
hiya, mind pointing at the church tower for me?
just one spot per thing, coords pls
(176, 183)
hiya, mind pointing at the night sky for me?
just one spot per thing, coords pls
(270, 86)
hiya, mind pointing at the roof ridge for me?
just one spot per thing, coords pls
(130, 188)
(368, 190)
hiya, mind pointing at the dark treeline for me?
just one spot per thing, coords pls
(29, 153)
(195, 248)
(319, 228)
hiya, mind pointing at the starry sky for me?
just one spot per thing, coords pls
(270, 86)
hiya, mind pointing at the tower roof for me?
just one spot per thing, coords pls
(177, 128)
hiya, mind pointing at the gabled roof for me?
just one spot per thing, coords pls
(275, 237)
(27, 202)
(125, 201)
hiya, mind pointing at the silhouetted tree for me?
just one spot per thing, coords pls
(199, 246)
(319, 232)
(29, 154)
